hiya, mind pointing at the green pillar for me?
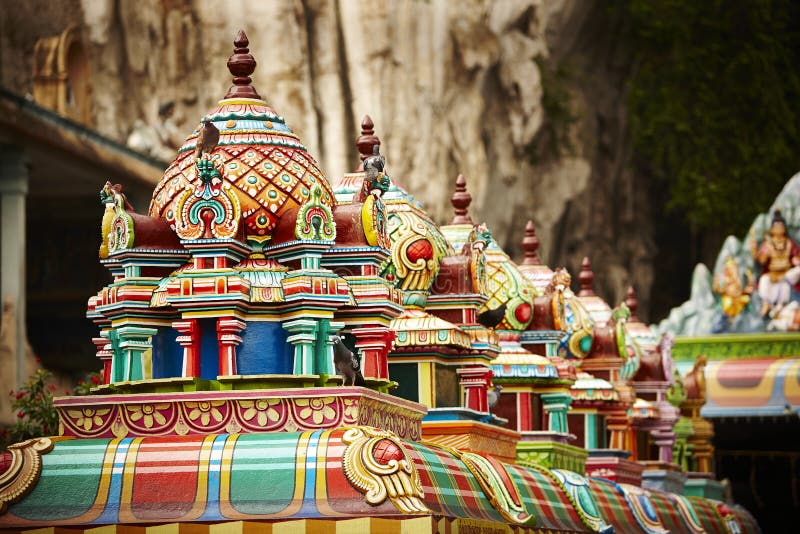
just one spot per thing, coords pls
(590, 431)
(302, 334)
(117, 365)
(323, 351)
(556, 406)
(135, 346)
(310, 261)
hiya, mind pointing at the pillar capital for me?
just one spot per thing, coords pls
(189, 339)
(374, 342)
(475, 380)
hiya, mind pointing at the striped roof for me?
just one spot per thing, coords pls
(334, 475)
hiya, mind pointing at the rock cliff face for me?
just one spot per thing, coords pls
(452, 87)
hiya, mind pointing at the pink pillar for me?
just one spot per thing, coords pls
(475, 380)
(190, 341)
(228, 329)
(374, 343)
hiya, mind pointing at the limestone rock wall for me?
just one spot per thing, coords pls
(453, 86)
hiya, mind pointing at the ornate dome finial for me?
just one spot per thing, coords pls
(461, 200)
(632, 302)
(586, 278)
(530, 244)
(241, 65)
(367, 141)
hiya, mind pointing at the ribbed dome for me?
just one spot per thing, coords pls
(269, 168)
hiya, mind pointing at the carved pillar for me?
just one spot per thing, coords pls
(302, 334)
(324, 350)
(524, 414)
(104, 354)
(134, 342)
(664, 439)
(13, 192)
(475, 380)
(618, 424)
(556, 405)
(189, 339)
(228, 329)
(374, 343)
(591, 431)
(700, 440)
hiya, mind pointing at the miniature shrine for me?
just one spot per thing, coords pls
(288, 352)
(739, 333)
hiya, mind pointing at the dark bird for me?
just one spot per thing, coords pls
(207, 139)
(492, 318)
(375, 163)
(347, 364)
(493, 395)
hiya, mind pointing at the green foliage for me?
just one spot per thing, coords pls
(33, 403)
(714, 101)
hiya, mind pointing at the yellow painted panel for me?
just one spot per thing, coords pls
(417, 524)
(426, 384)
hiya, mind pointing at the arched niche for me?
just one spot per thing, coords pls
(61, 80)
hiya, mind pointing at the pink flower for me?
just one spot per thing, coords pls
(20, 414)
(95, 379)
(20, 395)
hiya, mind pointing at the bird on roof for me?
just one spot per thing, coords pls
(493, 395)
(207, 139)
(374, 165)
(492, 318)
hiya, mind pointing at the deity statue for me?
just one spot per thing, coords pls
(733, 291)
(780, 257)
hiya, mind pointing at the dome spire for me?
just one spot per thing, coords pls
(367, 141)
(530, 244)
(241, 65)
(586, 278)
(632, 302)
(461, 200)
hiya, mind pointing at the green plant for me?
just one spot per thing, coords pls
(713, 103)
(33, 404)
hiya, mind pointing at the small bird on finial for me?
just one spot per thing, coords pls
(207, 139)
(241, 65)
(376, 162)
(586, 278)
(367, 141)
(530, 244)
(632, 301)
(461, 200)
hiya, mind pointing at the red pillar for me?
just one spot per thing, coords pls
(190, 341)
(374, 343)
(228, 329)
(105, 355)
(524, 414)
(476, 380)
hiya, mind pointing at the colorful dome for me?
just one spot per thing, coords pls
(269, 169)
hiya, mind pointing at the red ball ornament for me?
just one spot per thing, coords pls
(385, 451)
(420, 249)
(523, 312)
